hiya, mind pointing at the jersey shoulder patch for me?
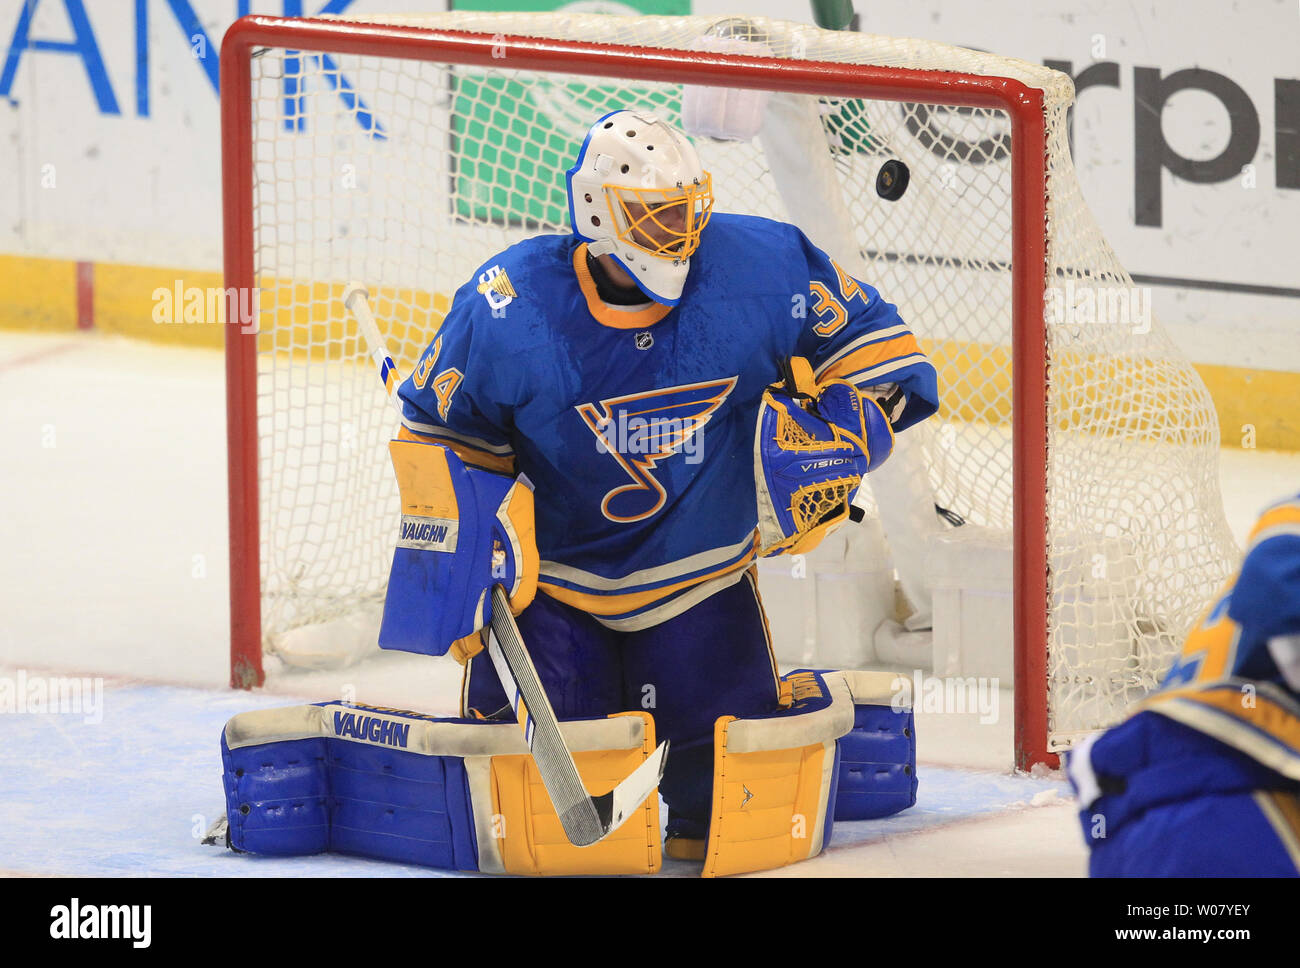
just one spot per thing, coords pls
(534, 271)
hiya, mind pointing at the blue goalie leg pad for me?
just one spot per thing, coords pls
(454, 794)
(327, 794)
(277, 797)
(878, 764)
(876, 759)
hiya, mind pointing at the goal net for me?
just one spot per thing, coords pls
(402, 155)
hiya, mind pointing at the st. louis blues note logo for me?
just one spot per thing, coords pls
(642, 429)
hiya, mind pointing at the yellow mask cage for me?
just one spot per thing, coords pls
(664, 222)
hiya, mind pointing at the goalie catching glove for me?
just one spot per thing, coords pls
(814, 443)
(463, 531)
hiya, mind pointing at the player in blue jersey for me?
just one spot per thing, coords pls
(621, 368)
(1204, 775)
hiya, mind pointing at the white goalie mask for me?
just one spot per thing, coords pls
(638, 192)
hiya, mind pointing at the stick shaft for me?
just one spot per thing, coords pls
(357, 299)
(585, 819)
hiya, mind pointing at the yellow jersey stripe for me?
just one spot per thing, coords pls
(1283, 812)
(1283, 519)
(1240, 714)
(599, 605)
(872, 355)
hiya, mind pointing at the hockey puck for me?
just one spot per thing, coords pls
(891, 181)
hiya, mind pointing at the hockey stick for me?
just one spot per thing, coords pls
(586, 819)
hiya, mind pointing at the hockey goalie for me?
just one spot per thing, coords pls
(680, 391)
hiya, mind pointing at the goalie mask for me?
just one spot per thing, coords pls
(638, 192)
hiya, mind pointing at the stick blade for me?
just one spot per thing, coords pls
(628, 796)
(218, 833)
(587, 821)
(591, 821)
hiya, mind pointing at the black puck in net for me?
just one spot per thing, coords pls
(891, 181)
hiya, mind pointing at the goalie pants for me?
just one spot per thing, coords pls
(715, 659)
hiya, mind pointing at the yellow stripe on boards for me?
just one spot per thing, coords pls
(1256, 407)
(180, 307)
(307, 321)
(39, 294)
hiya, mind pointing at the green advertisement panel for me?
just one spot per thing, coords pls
(514, 137)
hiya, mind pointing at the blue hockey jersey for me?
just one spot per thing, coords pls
(1260, 602)
(636, 425)
(1226, 683)
(1204, 775)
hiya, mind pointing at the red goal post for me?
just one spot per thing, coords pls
(1023, 106)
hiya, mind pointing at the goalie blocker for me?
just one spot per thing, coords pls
(463, 531)
(462, 794)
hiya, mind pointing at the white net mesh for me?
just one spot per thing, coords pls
(406, 175)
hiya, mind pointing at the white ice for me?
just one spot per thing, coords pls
(115, 566)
